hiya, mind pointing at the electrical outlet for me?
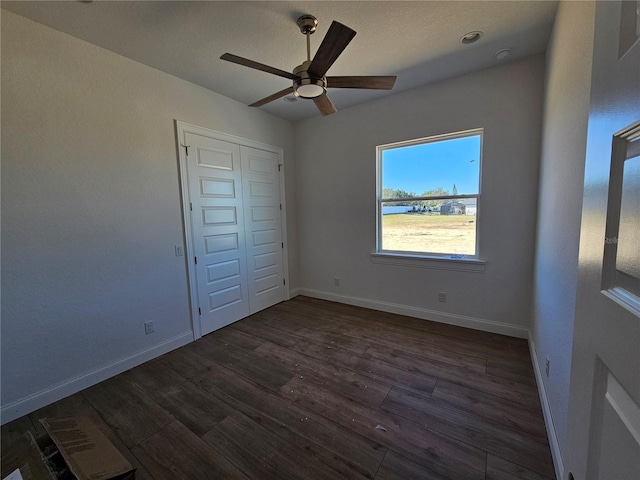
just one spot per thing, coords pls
(336, 282)
(148, 327)
(442, 297)
(547, 363)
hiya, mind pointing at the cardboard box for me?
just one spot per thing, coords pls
(26, 456)
(86, 450)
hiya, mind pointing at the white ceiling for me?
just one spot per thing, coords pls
(419, 41)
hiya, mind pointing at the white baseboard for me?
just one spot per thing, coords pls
(53, 394)
(556, 454)
(294, 292)
(423, 313)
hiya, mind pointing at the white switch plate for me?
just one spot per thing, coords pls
(148, 327)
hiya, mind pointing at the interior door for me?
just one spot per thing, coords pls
(604, 427)
(217, 220)
(261, 193)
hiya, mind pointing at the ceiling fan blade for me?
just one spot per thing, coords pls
(373, 82)
(258, 66)
(325, 105)
(273, 97)
(334, 42)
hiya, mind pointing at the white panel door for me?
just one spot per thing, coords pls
(217, 219)
(261, 192)
(604, 427)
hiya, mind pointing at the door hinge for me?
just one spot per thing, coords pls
(280, 207)
(284, 281)
(199, 311)
(191, 207)
(282, 244)
(195, 259)
(279, 166)
(186, 149)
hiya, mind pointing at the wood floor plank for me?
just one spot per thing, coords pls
(500, 387)
(186, 362)
(438, 453)
(235, 337)
(293, 318)
(501, 469)
(434, 349)
(449, 335)
(335, 338)
(504, 368)
(265, 373)
(461, 352)
(265, 332)
(382, 371)
(191, 405)
(514, 415)
(352, 456)
(262, 454)
(130, 412)
(175, 452)
(489, 436)
(397, 467)
(352, 384)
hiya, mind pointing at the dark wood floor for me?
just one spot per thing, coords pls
(311, 389)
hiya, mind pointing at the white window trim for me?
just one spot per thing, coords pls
(467, 263)
(409, 259)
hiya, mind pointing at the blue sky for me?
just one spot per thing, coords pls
(419, 168)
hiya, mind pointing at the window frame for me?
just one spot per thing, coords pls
(428, 259)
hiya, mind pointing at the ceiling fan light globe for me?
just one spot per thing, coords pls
(309, 87)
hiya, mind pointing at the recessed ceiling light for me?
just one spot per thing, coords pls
(471, 37)
(502, 54)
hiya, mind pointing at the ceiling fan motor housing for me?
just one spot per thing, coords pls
(307, 24)
(308, 86)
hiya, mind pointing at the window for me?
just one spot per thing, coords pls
(621, 263)
(428, 196)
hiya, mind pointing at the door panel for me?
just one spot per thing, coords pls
(261, 187)
(604, 426)
(617, 452)
(215, 186)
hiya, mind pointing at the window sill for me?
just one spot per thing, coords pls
(473, 265)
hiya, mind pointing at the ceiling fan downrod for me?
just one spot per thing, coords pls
(307, 86)
(308, 25)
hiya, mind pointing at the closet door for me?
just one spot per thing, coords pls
(218, 231)
(262, 219)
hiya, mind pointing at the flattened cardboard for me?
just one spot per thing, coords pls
(88, 452)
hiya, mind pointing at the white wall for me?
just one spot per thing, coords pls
(566, 112)
(336, 187)
(91, 209)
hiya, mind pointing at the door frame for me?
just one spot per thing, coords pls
(182, 128)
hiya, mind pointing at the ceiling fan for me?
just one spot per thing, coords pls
(309, 80)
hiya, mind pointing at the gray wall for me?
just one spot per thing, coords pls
(336, 197)
(566, 112)
(91, 208)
